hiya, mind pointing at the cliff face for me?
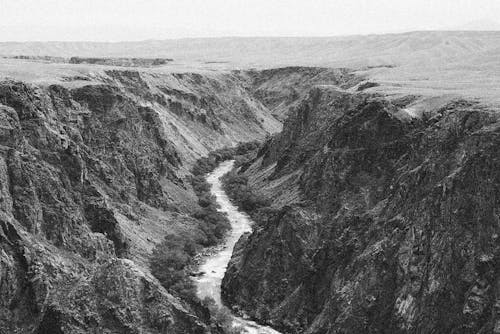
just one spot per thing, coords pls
(280, 88)
(395, 226)
(93, 173)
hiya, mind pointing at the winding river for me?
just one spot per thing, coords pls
(214, 266)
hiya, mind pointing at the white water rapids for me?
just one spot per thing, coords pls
(214, 266)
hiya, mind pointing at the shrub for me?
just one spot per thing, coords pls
(222, 316)
(200, 185)
(247, 199)
(213, 223)
(206, 200)
(169, 261)
(207, 164)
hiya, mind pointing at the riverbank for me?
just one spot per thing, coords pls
(213, 268)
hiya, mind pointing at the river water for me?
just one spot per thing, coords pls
(214, 266)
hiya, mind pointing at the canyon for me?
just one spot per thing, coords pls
(95, 172)
(374, 190)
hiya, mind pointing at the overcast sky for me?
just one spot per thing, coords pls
(119, 20)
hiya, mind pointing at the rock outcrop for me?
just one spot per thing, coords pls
(396, 225)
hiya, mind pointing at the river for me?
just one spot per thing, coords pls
(214, 266)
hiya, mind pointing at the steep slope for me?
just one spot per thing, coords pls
(280, 88)
(386, 219)
(63, 244)
(93, 173)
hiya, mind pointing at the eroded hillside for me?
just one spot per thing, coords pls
(383, 219)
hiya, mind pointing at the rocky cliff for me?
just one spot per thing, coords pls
(280, 88)
(385, 219)
(94, 171)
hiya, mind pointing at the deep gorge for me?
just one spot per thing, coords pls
(378, 220)
(95, 171)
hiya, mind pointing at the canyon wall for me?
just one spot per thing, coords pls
(384, 219)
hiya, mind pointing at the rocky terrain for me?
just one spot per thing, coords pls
(376, 204)
(384, 218)
(280, 88)
(95, 171)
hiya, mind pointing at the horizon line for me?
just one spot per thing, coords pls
(251, 37)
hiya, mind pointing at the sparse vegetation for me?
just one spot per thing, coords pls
(207, 164)
(213, 223)
(222, 316)
(169, 262)
(248, 199)
(173, 258)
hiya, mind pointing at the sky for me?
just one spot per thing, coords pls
(131, 20)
